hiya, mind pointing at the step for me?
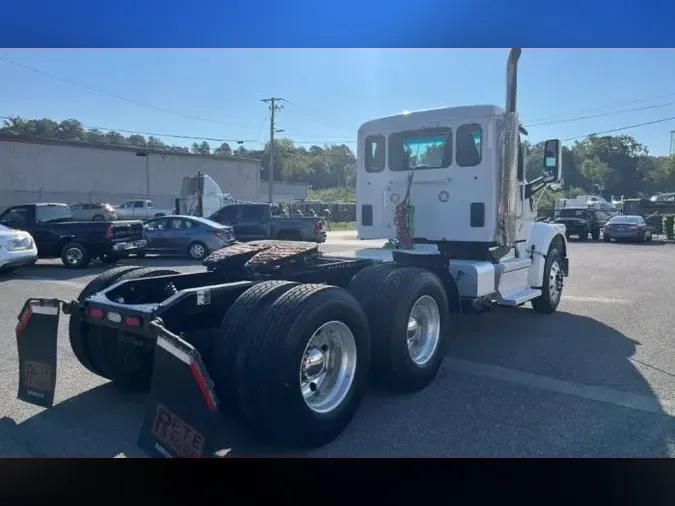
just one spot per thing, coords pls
(520, 297)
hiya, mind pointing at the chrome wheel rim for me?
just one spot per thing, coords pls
(74, 256)
(555, 281)
(424, 330)
(197, 251)
(327, 367)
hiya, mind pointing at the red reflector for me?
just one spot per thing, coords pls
(109, 233)
(132, 321)
(203, 386)
(23, 321)
(95, 313)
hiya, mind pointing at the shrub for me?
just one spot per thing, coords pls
(668, 226)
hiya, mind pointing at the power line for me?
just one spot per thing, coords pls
(579, 118)
(647, 123)
(114, 95)
(603, 108)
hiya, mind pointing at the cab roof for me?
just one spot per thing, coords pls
(430, 118)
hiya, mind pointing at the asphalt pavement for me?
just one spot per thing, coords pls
(597, 378)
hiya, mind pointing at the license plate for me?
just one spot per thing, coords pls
(136, 244)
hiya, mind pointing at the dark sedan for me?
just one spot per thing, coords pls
(185, 235)
(627, 228)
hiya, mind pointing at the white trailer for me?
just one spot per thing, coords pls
(286, 338)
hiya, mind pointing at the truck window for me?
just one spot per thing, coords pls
(421, 149)
(140, 203)
(469, 145)
(253, 213)
(15, 218)
(375, 153)
(47, 214)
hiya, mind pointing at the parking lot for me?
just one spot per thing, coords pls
(597, 378)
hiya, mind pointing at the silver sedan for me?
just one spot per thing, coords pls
(185, 235)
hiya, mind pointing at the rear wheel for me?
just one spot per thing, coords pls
(595, 235)
(119, 356)
(197, 251)
(75, 256)
(78, 330)
(606, 238)
(411, 313)
(552, 284)
(583, 236)
(303, 374)
(98, 217)
(232, 335)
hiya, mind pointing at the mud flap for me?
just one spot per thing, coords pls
(36, 338)
(181, 418)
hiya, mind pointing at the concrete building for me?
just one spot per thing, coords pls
(284, 191)
(66, 171)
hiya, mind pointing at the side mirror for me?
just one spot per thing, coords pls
(552, 161)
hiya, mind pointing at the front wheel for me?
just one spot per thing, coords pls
(552, 285)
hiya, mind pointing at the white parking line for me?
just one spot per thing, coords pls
(603, 300)
(592, 393)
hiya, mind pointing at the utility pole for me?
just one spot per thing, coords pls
(274, 107)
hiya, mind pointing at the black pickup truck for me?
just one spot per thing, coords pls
(57, 235)
(257, 221)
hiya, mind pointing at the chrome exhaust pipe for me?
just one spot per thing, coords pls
(509, 170)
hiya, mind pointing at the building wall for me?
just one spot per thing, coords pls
(62, 172)
(284, 191)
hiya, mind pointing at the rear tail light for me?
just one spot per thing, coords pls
(633, 227)
(109, 233)
(95, 313)
(132, 321)
(318, 226)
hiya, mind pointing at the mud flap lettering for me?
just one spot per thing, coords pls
(36, 338)
(181, 418)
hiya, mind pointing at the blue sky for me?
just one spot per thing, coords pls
(216, 93)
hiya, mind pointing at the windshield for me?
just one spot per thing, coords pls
(573, 213)
(422, 149)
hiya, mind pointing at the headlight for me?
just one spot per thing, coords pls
(19, 244)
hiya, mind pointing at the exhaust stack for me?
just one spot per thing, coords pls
(509, 178)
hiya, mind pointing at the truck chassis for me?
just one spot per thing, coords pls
(272, 332)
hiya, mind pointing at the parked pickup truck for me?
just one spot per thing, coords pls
(56, 234)
(139, 210)
(255, 221)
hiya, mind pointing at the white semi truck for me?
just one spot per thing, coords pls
(284, 337)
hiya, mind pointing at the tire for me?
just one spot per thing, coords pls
(231, 336)
(606, 238)
(548, 301)
(289, 235)
(595, 235)
(159, 215)
(140, 254)
(583, 237)
(78, 328)
(394, 363)
(98, 217)
(129, 372)
(365, 284)
(75, 256)
(649, 237)
(197, 251)
(269, 369)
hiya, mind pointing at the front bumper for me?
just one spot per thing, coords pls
(18, 258)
